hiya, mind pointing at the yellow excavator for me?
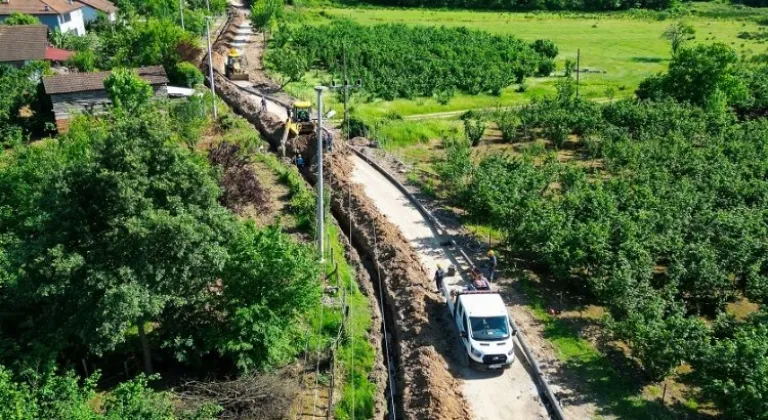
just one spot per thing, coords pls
(300, 122)
(235, 69)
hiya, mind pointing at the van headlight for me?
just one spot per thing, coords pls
(476, 353)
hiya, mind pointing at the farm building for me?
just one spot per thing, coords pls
(85, 93)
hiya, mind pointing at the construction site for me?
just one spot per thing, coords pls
(422, 369)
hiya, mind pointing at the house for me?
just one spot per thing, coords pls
(64, 15)
(22, 44)
(85, 93)
(92, 8)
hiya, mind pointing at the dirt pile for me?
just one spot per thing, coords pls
(426, 389)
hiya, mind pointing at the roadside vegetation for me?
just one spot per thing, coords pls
(658, 215)
(156, 272)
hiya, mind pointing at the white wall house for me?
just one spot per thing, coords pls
(64, 15)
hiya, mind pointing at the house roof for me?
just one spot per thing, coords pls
(105, 6)
(84, 82)
(57, 54)
(23, 42)
(39, 7)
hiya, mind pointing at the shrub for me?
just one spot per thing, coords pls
(187, 74)
(84, 61)
(474, 127)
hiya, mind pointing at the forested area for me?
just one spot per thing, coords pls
(662, 218)
(400, 61)
(591, 5)
(114, 243)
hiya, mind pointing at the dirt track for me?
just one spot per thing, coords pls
(510, 395)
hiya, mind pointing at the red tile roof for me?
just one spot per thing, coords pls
(39, 7)
(23, 42)
(57, 54)
(84, 82)
(102, 5)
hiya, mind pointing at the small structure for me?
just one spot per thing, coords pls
(85, 93)
(57, 55)
(64, 15)
(92, 8)
(23, 43)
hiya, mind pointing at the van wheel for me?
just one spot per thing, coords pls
(462, 353)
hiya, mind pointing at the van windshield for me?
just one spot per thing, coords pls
(490, 328)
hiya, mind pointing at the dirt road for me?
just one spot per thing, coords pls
(494, 395)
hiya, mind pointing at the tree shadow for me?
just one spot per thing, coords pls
(649, 60)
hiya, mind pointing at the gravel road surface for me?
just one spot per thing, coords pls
(511, 394)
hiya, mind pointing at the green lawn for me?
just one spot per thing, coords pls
(627, 47)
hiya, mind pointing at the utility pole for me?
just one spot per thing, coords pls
(578, 70)
(346, 86)
(210, 67)
(208, 6)
(181, 12)
(320, 207)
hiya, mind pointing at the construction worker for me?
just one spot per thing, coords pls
(263, 104)
(439, 276)
(299, 162)
(492, 263)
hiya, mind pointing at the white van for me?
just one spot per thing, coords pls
(484, 328)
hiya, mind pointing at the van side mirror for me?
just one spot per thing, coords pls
(464, 334)
(514, 333)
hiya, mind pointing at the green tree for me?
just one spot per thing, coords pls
(114, 226)
(696, 74)
(127, 91)
(264, 14)
(678, 34)
(455, 169)
(733, 370)
(288, 63)
(17, 18)
(474, 126)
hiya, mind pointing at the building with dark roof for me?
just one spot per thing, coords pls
(64, 15)
(85, 93)
(22, 44)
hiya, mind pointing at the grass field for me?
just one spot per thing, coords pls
(623, 47)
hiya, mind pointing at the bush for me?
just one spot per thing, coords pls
(187, 74)
(474, 127)
(83, 61)
(17, 18)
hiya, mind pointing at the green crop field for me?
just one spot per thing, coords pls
(619, 49)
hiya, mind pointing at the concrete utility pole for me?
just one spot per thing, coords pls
(181, 12)
(578, 70)
(210, 67)
(346, 86)
(320, 207)
(208, 6)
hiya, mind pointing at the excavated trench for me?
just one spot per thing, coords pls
(389, 272)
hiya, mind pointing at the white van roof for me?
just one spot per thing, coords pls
(483, 304)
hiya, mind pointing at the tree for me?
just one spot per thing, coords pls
(678, 34)
(264, 14)
(113, 227)
(187, 74)
(127, 90)
(696, 74)
(289, 63)
(733, 370)
(17, 18)
(474, 127)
